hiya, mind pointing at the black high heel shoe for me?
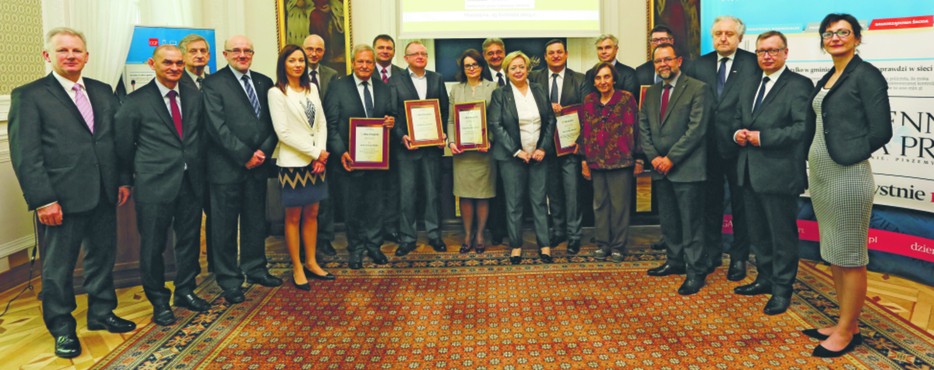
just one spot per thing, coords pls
(309, 273)
(306, 287)
(515, 260)
(822, 352)
(546, 258)
(813, 333)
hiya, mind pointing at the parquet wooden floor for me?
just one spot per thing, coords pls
(25, 344)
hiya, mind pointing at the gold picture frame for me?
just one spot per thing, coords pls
(683, 17)
(330, 19)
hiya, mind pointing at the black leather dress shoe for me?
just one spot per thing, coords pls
(776, 305)
(691, 286)
(266, 280)
(67, 346)
(234, 296)
(392, 237)
(737, 270)
(574, 246)
(405, 248)
(822, 352)
(756, 288)
(377, 256)
(162, 315)
(659, 245)
(515, 260)
(355, 262)
(438, 245)
(713, 266)
(326, 248)
(666, 269)
(558, 239)
(191, 302)
(113, 324)
(546, 258)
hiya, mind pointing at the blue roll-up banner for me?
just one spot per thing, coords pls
(145, 39)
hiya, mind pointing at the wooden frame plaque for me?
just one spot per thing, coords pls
(426, 131)
(369, 144)
(564, 128)
(471, 111)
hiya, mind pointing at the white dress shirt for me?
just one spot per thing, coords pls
(421, 83)
(560, 81)
(530, 122)
(357, 81)
(164, 92)
(729, 64)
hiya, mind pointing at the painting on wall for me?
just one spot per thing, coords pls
(683, 17)
(330, 19)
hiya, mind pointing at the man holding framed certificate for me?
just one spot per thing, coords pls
(564, 88)
(421, 95)
(353, 103)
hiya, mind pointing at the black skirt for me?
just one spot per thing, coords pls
(300, 187)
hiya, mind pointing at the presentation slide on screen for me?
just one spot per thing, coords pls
(145, 39)
(507, 18)
(904, 168)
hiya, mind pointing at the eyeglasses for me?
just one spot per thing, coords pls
(419, 54)
(471, 66)
(771, 52)
(660, 40)
(665, 60)
(840, 33)
(240, 51)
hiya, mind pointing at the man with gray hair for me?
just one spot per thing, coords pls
(607, 47)
(61, 134)
(494, 52)
(197, 53)
(724, 70)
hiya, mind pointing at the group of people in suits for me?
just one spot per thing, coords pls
(189, 142)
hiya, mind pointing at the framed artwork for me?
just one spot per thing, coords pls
(330, 19)
(683, 17)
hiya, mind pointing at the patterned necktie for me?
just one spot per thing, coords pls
(84, 106)
(385, 76)
(314, 80)
(199, 80)
(760, 95)
(176, 113)
(499, 79)
(721, 76)
(367, 100)
(251, 94)
(664, 102)
(554, 88)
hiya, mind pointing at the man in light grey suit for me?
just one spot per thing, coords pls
(772, 133)
(321, 76)
(672, 124)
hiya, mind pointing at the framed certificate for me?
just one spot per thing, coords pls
(642, 91)
(423, 119)
(470, 126)
(369, 144)
(567, 129)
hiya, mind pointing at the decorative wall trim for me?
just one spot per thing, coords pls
(4, 142)
(17, 245)
(4, 107)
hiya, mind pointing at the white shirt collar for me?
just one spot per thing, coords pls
(163, 90)
(68, 84)
(358, 81)
(775, 75)
(560, 74)
(239, 75)
(731, 56)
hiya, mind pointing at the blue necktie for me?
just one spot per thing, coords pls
(251, 94)
(760, 95)
(554, 87)
(721, 76)
(367, 100)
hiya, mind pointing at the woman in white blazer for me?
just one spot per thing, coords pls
(298, 118)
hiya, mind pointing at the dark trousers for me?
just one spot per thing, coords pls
(720, 170)
(97, 231)
(680, 212)
(183, 214)
(363, 191)
(564, 197)
(326, 206)
(612, 199)
(208, 230)
(419, 178)
(497, 218)
(521, 180)
(390, 201)
(244, 203)
(773, 226)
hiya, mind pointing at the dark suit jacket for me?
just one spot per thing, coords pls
(152, 156)
(343, 103)
(855, 112)
(571, 89)
(325, 76)
(234, 131)
(777, 166)
(627, 80)
(55, 156)
(503, 120)
(745, 67)
(680, 135)
(404, 89)
(186, 79)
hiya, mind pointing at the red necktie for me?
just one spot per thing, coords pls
(176, 113)
(385, 77)
(664, 102)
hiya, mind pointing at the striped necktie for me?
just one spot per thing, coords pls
(250, 93)
(84, 106)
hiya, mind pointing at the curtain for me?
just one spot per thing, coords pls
(108, 26)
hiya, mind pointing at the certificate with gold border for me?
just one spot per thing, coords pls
(642, 90)
(567, 129)
(470, 126)
(423, 119)
(369, 144)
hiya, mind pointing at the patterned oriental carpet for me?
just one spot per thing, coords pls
(430, 310)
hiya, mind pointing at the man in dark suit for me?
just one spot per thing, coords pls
(159, 144)
(494, 51)
(62, 149)
(196, 53)
(645, 72)
(564, 88)
(418, 167)
(724, 71)
(607, 47)
(385, 48)
(242, 137)
(672, 124)
(359, 96)
(321, 76)
(772, 133)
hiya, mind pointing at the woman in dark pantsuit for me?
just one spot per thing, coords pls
(522, 123)
(850, 111)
